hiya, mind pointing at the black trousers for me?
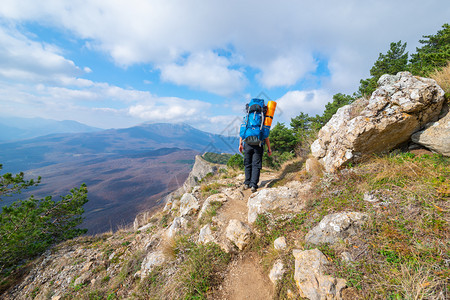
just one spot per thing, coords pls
(253, 164)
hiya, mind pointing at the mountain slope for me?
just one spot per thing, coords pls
(399, 252)
(126, 170)
(53, 149)
(26, 128)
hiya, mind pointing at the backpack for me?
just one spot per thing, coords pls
(253, 131)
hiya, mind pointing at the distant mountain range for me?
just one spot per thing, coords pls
(126, 170)
(14, 128)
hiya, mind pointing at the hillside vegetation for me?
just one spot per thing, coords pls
(402, 252)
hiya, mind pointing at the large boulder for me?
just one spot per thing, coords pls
(436, 136)
(402, 105)
(309, 276)
(336, 227)
(283, 199)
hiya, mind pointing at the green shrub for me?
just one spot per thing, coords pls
(236, 162)
(217, 158)
(28, 227)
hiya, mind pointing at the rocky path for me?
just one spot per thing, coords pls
(245, 278)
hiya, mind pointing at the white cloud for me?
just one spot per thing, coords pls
(286, 70)
(205, 71)
(22, 59)
(277, 40)
(169, 109)
(293, 103)
(267, 35)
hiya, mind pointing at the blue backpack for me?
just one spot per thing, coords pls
(253, 131)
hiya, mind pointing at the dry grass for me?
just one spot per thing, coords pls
(314, 167)
(168, 248)
(442, 78)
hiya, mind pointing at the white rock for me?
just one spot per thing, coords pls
(239, 233)
(280, 243)
(234, 193)
(400, 106)
(335, 227)
(178, 224)
(188, 204)
(346, 256)
(310, 279)
(206, 235)
(277, 271)
(207, 204)
(436, 136)
(282, 199)
(153, 259)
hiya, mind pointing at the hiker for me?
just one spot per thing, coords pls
(254, 134)
(253, 155)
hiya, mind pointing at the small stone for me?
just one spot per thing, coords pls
(239, 233)
(280, 243)
(178, 224)
(346, 256)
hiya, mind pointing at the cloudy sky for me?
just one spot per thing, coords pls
(117, 63)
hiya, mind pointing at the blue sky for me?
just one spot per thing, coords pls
(115, 63)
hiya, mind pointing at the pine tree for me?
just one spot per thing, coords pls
(28, 227)
(394, 61)
(434, 54)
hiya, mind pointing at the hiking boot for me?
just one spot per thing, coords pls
(246, 186)
(254, 189)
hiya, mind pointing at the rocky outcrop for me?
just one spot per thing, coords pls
(310, 279)
(206, 236)
(436, 136)
(336, 227)
(188, 205)
(402, 105)
(283, 199)
(200, 169)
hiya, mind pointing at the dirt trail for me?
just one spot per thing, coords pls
(245, 278)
